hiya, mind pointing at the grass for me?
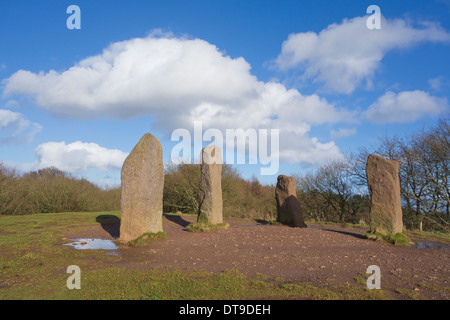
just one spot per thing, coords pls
(146, 239)
(360, 280)
(397, 239)
(413, 295)
(119, 283)
(429, 236)
(33, 256)
(206, 227)
(34, 263)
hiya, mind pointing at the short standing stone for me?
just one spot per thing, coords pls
(289, 210)
(141, 201)
(384, 190)
(210, 197)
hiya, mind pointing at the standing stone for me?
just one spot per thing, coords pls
(384, 190)
(210, 195)
(289, 210)
(141, 200)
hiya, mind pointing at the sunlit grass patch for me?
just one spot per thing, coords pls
(396, 239)
(206, 227)
(147, 238)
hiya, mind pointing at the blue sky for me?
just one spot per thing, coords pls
(81, 99)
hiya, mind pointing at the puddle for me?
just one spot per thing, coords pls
(85, 244)
(431, 245)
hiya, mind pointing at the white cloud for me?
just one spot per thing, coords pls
(76, 157)
(136, 76)
(436, 84)
(12, 104)
(308, 150)
(405, 106)
(344, 55)
(343, 133)
(7, 117)
(15, 128)
(179, 81)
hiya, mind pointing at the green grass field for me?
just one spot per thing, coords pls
(33, 264)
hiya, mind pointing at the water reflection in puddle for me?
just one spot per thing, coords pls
(84, 244)
(431, 245)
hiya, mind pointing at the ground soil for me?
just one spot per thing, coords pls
(316, 255)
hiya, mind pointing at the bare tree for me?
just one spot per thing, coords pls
(333, 188)
(424, 171)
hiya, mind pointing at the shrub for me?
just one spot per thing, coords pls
(241, 198)
(51, 190)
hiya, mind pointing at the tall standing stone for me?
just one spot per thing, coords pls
(141, 200)
(384, 190)
(210, 195)
(289, 210)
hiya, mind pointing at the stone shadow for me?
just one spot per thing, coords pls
(178, 220)
(355, 235)
(262, 222)
(110, 224)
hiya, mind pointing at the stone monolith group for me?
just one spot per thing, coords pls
(143, 183)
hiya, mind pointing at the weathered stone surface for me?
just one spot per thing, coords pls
(210, 197)
(384, 190)
(141, 201)
(289, 210)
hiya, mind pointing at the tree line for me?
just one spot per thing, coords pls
(51, 190)
(241, 198)
(337, 191)
(334, 192)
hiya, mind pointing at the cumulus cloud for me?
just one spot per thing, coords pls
(178, 81)
(438, 84)
(405, 106)
(344, 55)
(308, 150)
(76, 157)
(140, 75)
(15, 128)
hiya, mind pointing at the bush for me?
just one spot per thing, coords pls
(330, 195)
(51, 190)
(241, 198)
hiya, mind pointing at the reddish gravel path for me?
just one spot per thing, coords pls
(312, 255)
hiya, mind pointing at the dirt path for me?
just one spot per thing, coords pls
(312, 255)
